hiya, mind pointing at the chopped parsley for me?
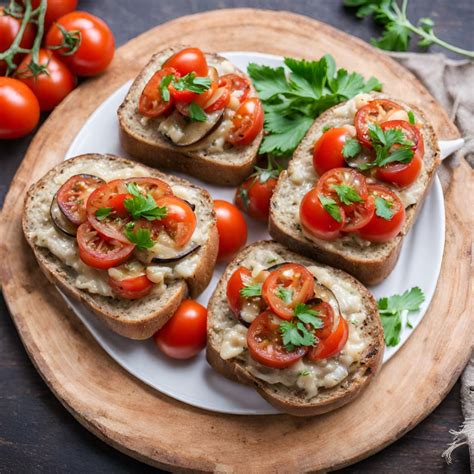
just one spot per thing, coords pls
(251, 291)
(141, 237)
(143, 205)
(164, 84)
(285, 294)
(196, 113)
(411, 117)
(347, 194)
(331, 206)
(102, 213)
(190, 82)
(383, 208)
(351, 148)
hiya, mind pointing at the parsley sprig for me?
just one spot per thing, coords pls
(292, 103)
(347, 194)
(251, 291)
(391, 309)
(351, 148)
(331, 206)
(141, 237)
(383, 208)
(196, 112)
(143, 205)
(191, 82)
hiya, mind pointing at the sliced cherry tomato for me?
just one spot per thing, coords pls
(220, 99)
(73, 195)
(19, 108)
(9, 28)
(83, 41)
(231, 227)
(331, 345)
(55, 9)
(325, 314)
(342, 176)
(316, 220)
(401, 174)
(238, 83)
(286, 287)
(236, 282)
(204, 98)
(151, 103)
(265, 343)
(375, 112)
(99, 253)
(131, 288)
(180, 220)
(359, 215)
(327, 152)
(410, 133)
(52, 84)
(253, 196)
(184, 335)
(247, 123)
(188, 60)
(379, 229)
(117, 203)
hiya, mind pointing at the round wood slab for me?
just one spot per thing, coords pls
(163, 432)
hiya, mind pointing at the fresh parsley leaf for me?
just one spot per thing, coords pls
(196, 113)
(102, 213)
(400, 155)
(190, 82)
(291, 103)
(331, 207)
(164, 84)
(295, 334)
(383, 208)
(303, 373)
(351, 148)
(347, 194)
(140, 237)
(391, 308)
(285, 294)
(251, 291)
(308, 316)
(143, 205)
(411, 117)
(395, 38)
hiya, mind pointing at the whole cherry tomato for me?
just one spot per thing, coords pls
(327, 153)
(19, 108)
(188, 60)
(254, 194)
(55, 9)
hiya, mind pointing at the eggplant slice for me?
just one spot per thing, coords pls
(177, 257)
(60, 221)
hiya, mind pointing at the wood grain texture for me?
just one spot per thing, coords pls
(154, 428)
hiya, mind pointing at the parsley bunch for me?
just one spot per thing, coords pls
(292, 103)
(398, 29)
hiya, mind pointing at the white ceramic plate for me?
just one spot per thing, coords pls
(194, 382)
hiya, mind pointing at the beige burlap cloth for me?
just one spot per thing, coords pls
(452, 83)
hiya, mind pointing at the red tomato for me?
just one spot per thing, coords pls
(375, 112)
(51, 85)
(99, 253)
(379, 229)
(204, 98)
(247, 123)
(359, 215)
(316, 220)
(72, 196)
(326, 315)
(234, 285)
(117, 203)
(184, 96)
(95, 49)
(327, 152)
(180, 220)
(184, 335)
(286, 287)
(253, 196)
(265, 343)
(410, 132)
(333, 344)
(9, 28)
(188, 60)
(232, 229)
(19, 108)
(151, 103)
(238, 83)
(55, 9)
(131, 288)
(219, 99)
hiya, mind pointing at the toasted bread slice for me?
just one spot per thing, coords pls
(57, 254)
(292, 390)
(369, 262)
(141, 138)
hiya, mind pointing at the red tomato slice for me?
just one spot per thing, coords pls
(99, 253)
(375, 112)
(326, 315)
(117, 203)
(331, 345)
(379, 229)
(359, 215)
(327, 152)
(188, 60)
(238, 83)
(184, 96)
(131, 288)
(180, 220)
(73, 195)
(151, 103)
(234, 285)
(287, 286)
(220, 99)
(265, 343)
(247, 123)
(316, 220)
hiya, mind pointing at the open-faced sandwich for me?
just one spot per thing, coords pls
(128, 241)
(195, 113)
(307, 336)
(355, 184)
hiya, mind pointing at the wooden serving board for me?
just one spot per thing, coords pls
(163, 432)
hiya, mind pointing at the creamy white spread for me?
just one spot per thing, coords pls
(96, 281)
(306, 375)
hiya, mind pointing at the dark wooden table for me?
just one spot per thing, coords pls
(38, 435)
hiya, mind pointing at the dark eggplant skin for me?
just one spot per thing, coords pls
(60, 221)
(176, 257)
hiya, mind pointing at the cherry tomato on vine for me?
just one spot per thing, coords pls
(51, 85)
(55, 9)
(184, 335)
(19, 108)
(92, 43)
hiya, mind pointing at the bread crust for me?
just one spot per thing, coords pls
(328, 399)
(151, 312)
(157, 151)
(369, 269)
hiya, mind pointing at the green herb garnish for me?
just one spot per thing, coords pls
(331, 206)
(251, 291)
(143, 205)
(383, 208)
(102, 213)
(141, 237)
(347, 194)
(196, 113)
